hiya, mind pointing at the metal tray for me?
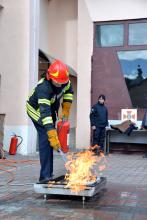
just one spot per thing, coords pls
(59, 188)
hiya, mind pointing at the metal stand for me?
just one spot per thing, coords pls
(83, 200)
(45, 197)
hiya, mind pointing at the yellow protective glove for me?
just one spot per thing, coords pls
(53, 139)
(65, 110)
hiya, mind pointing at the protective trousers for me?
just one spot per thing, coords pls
(99, 137)
(45, 153)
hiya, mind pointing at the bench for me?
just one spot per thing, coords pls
(114, 136)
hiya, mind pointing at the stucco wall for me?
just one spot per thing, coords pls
(58, 29)
(14, 57)
(14, 65)
(85, 42)
(44, 26)
(18, 67)
(1, 3)
(108, 10)
(63, 31)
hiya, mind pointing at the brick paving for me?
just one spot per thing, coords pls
(124, 197)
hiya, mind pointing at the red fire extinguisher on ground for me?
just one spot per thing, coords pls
(14, 144)
(63, 128)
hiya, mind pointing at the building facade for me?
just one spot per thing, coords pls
(77, 32)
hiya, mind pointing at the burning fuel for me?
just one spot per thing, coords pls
(83, 168)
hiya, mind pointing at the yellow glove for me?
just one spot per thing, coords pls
(53, 139)
(65, 110)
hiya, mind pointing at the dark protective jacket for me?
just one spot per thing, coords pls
(99, 115)
(44, 102)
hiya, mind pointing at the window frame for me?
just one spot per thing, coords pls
(107, 24)
(133, 23)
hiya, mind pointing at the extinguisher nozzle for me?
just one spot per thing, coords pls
(63, 155)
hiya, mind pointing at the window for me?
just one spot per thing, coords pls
(109, 35)
(134, 68)
(138, 34)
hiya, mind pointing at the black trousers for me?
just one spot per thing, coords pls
(45, 153)
(99, 137)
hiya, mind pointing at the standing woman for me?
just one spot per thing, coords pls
(99, 121)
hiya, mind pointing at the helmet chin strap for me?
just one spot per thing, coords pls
(56, 84)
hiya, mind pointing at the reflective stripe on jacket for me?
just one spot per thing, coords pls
(44, 102)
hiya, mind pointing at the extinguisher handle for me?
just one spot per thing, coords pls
(21, 140)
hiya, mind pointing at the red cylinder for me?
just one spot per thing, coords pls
(63, 128)
(13, 145)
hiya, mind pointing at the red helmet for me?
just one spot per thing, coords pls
(58, 72)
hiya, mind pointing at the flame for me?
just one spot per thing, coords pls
(80, 170)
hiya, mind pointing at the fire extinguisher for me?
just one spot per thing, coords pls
(14, 144)
(63, 128)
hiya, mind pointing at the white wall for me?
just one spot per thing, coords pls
(14, 65)
(1, 3)
(85, 45)
(18, 67)
(107, 10)
(14, 56)
(63, 31)
(34, 9)
(44, 26)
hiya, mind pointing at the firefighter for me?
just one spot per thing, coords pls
(99, 122)
(42, 107)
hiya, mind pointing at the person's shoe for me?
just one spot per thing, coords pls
(45, 181)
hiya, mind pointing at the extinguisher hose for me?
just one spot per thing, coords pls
(21, 140)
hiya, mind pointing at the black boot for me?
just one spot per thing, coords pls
(45, 180)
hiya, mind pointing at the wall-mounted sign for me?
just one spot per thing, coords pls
(129, 114)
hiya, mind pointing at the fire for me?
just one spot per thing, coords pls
(80, 171)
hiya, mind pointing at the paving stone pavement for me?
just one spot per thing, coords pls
(124, 197)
